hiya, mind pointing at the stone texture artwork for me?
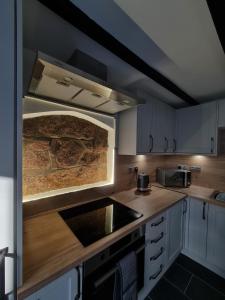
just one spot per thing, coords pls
(62, 151)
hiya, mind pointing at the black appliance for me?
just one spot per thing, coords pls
(143, 182)
(99, 271)
(95, 220)
(174, 177)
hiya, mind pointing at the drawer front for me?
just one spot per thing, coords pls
(155, 249)
(154, 268)
(155, 229)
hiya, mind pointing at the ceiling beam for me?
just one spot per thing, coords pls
(69, 12)
(217, 9)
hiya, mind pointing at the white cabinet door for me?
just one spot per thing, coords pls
(144, 123)
(64, 287)
(148, 128)
(216, 237)
(162, 127)
(170, 129)
(175, 231)
(221, 110)
(197, 228)
(196, 129)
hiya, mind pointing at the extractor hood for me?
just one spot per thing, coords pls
(57, 81)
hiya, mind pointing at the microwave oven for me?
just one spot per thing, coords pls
(174, 177)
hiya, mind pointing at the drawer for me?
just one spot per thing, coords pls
(154, 249)
(155, 227)
(156, 255)
(154, 270)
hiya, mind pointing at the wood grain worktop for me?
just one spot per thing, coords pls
(195, 191)
(51, 249)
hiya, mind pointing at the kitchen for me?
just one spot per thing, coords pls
(113, 162)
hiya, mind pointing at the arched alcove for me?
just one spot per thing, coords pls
(65, 151)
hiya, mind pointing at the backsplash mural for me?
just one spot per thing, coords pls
(64, 153)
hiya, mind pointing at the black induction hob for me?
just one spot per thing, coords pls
(95, 220)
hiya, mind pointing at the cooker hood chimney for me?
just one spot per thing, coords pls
(81, 83)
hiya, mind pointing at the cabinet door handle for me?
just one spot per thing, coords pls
(212, 144)
(154, 276)
(151, 142)
(158, 223)
(3, 254)
(154, 257)
(203, 211)
(185, 207)
(77, 297)
(156, 240)
(174, 145)
(166, 144)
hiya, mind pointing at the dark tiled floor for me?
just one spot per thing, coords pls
(187, 280)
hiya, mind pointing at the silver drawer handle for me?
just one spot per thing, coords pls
(158, 223)
(156, 240)
(154, 276)
(154, 257)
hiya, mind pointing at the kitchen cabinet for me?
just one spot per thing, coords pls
(221, 113)
(196, 129)
(65, 287)
(163, 238)
(197, 228)
(148, 128)
(216, 237)
(163, 128)
(205, 237)
(155, 253)
(175, 231)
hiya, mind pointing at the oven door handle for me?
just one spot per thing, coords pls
(102, 279)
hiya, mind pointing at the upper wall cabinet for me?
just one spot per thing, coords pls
(196, 129)
(221, 110)
(146, 129)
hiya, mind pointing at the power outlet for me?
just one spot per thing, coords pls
(133, 169)
(182, 167)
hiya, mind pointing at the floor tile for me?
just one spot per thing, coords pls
(210, 277)
(179, 276)
(199, 290)
(165, 291)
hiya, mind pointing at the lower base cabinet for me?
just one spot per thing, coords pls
(205, 235)
(197, 218)
(65, 287)
(164, 236)
(175, 230)
(216, 237)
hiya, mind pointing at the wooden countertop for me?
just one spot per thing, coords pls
(51, 249)
(195, 191)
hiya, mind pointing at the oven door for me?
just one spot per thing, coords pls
(100, 284)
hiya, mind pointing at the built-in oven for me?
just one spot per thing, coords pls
(99, 271)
